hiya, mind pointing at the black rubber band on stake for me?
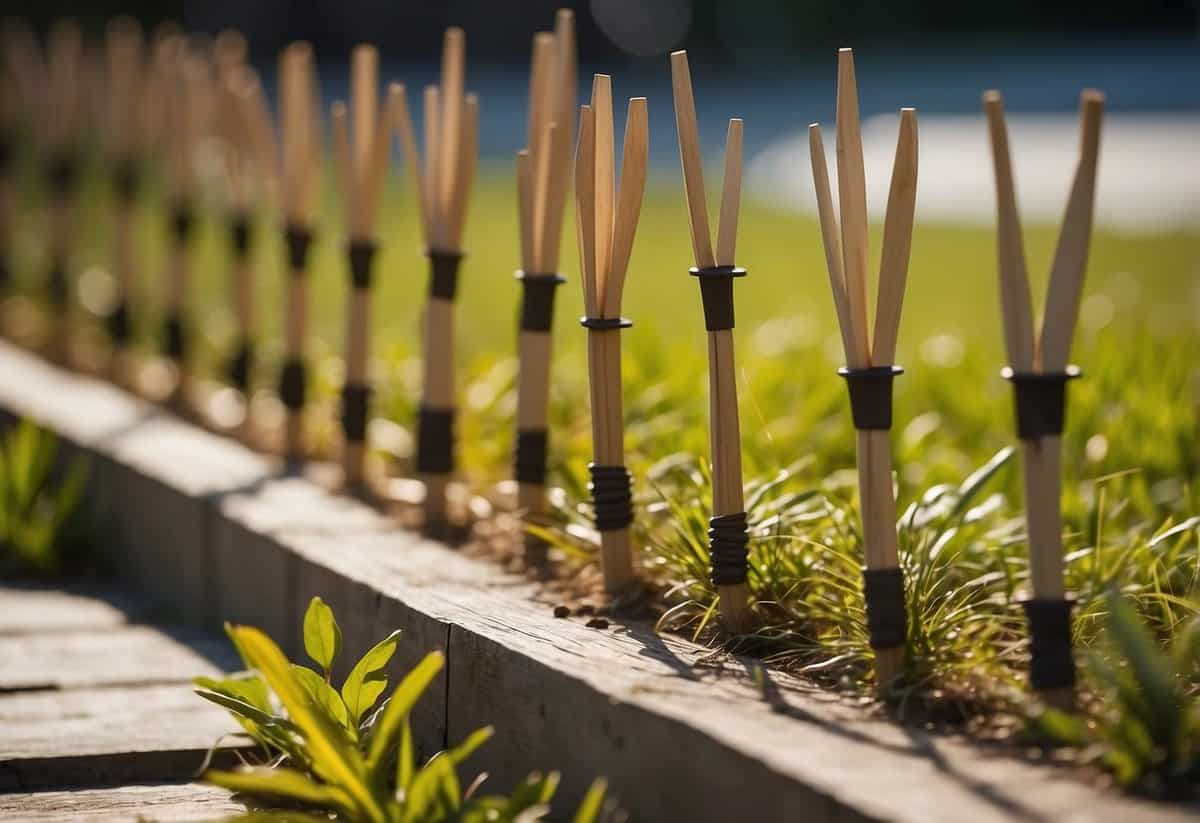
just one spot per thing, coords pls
(126, 178)
(529, 458)
(240, 364)
(612, 496)
(362, 255)
(117, 323)
(883, 591)
(605, 323)
(292, 384)
(1051, 663)
(297, 239)
(728, 546)
(355, 400)
(716, 291)
(63, 175)
(435, 441)
(174, 337)
(537, 300)
(182, 221)
(241, 234)
(871, 396)
(443, 273)
(1040, 400)
(57, 286)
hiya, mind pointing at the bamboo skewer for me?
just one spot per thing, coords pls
(297, 164)
(607, 218)
(1039, 370)
(361, 140)
(543, 170)
(870, 355)
(728, 533)
(443, 185)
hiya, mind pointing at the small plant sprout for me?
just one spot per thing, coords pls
(1039, 371)
(715, 271)
(451, 121)
(362, 154)
(870, 359)
(125, 143)
(299, 122)
(607, 219)
(543, 172)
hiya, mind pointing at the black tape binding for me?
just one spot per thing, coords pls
(117, 322)
(58, 287)
(63, 174)
(126, 179)
(241, 235)
(537, 300)
(362, 255)
(297, 239)
(240, 364)
(1040, 401)
(871, 396)
(883, 591)
(530, 456)
(443, 273)
(293, 384)
(435, 441)
(612, 496)
(1051, 664)
(182, 222)
(355, 400)
(716, 291)
(175, 337)
(728, 546)
(605, 323)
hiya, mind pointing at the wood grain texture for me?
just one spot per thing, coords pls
(158, 802)
(852, 199)
(731, 195)
(832, 244)
(689, 156)
(897, 242)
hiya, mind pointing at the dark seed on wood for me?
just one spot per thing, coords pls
(562, 611)
(598, 623)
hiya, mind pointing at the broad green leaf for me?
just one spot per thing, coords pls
(325, 697)
(466, 748)
(435, 792)
(235, 705)
(593, 802)
(367, 679)
(322, 637)
(287, 784)
(247, 687)
(388, 728)
(336, 762)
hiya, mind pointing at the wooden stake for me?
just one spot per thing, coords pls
(866, 353)
(723, 409)
(1045, 353)
(543, 170)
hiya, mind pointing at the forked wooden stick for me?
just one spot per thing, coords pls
(361, 150)
(299, 117)
(715, 270)
(607, 219)
(543, 172)
(870, 357)
(443, 185)
(1038, 368)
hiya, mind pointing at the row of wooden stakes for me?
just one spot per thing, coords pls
(161, 101)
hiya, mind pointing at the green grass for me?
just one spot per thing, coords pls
(1130, 453)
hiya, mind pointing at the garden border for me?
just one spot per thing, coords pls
(679, 735)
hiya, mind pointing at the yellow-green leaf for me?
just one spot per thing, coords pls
(367, 679)
(322, 637)
(287, 784)
(387, 729)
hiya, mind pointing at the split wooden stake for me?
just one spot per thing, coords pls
(1039, 371)
(362, 154)
(727, 532)
(607, 218)
(126, 143)
(443, 185)
(543, 173)
(299, 117)
(870, 357)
